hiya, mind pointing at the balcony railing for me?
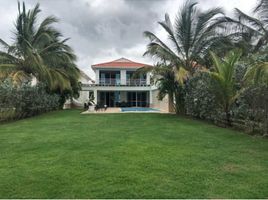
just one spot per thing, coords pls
(109, 81)
(128, 82)
(137, 82)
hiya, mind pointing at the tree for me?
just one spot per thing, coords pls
(257, 74)
(39, 51)
(223, 76)
(193, 34)
(252, 29)
(256, 81)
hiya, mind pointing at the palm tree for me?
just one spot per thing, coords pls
(191, 37)
(257, 74)
(224, 87)
(38, 51)
(193, 34)
(252, 29)
(256, 82)
(171, 84)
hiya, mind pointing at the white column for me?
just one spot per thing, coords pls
(123, 76)
(97, 78)
(151, 97)
(96, 96)
(148, 77)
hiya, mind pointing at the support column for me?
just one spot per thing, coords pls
(136, 99)
(123, 77)
(151, 98)
(96, 96)
(148, 77)
(97, 78)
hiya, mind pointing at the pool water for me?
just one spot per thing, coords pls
(139, 109)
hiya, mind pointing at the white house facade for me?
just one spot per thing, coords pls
(117, 85)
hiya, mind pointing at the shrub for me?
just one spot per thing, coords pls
(252, 107)
(25, 101)
(199, 101)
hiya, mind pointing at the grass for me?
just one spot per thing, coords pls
(67, 155)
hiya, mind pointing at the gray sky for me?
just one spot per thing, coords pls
(104, 30)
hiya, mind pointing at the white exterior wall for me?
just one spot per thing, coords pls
(148, 78)
(151, 89)
(83, 97)
(162, 105)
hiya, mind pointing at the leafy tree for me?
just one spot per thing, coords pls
(39, 51)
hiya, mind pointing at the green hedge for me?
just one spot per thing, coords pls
(250, 111)
(199, 100)
(25, 101)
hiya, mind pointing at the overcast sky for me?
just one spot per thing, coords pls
(104, 30)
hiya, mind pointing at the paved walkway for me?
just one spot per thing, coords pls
(109, 110)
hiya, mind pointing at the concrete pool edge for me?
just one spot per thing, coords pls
(118, 110)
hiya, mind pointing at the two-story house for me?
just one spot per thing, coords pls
(117, 85)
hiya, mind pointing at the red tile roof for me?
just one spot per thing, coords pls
(120, 63)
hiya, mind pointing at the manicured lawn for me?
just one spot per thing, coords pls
(67, 155)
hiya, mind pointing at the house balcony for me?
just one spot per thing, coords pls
(119, 82)
(136, 82)
(109, 82)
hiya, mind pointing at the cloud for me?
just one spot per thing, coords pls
(103, 30)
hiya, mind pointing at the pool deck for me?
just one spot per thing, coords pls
(118, 110)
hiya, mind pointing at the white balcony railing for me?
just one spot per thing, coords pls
(109, 81)
(129, 82)
(137, 82)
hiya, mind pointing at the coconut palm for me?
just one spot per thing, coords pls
(223, 76)
(191, 37)
(253, 29)
(193, 34)
(38, 51)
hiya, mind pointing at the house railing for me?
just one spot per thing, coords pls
(128, 82)
(137, 82)
(109, 81)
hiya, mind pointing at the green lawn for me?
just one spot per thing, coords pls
(67, 155)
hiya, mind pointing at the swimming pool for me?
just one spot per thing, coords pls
(139, 109)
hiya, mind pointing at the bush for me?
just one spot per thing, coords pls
(252, 107)
(25, 101)
(199, 101)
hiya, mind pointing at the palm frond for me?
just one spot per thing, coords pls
(257, 74)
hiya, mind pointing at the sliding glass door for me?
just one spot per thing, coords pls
(137, 99)
(111, 99)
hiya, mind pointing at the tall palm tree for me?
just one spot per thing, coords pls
(253, 29)
(38, 51)
(224, 87)
(192, 35)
